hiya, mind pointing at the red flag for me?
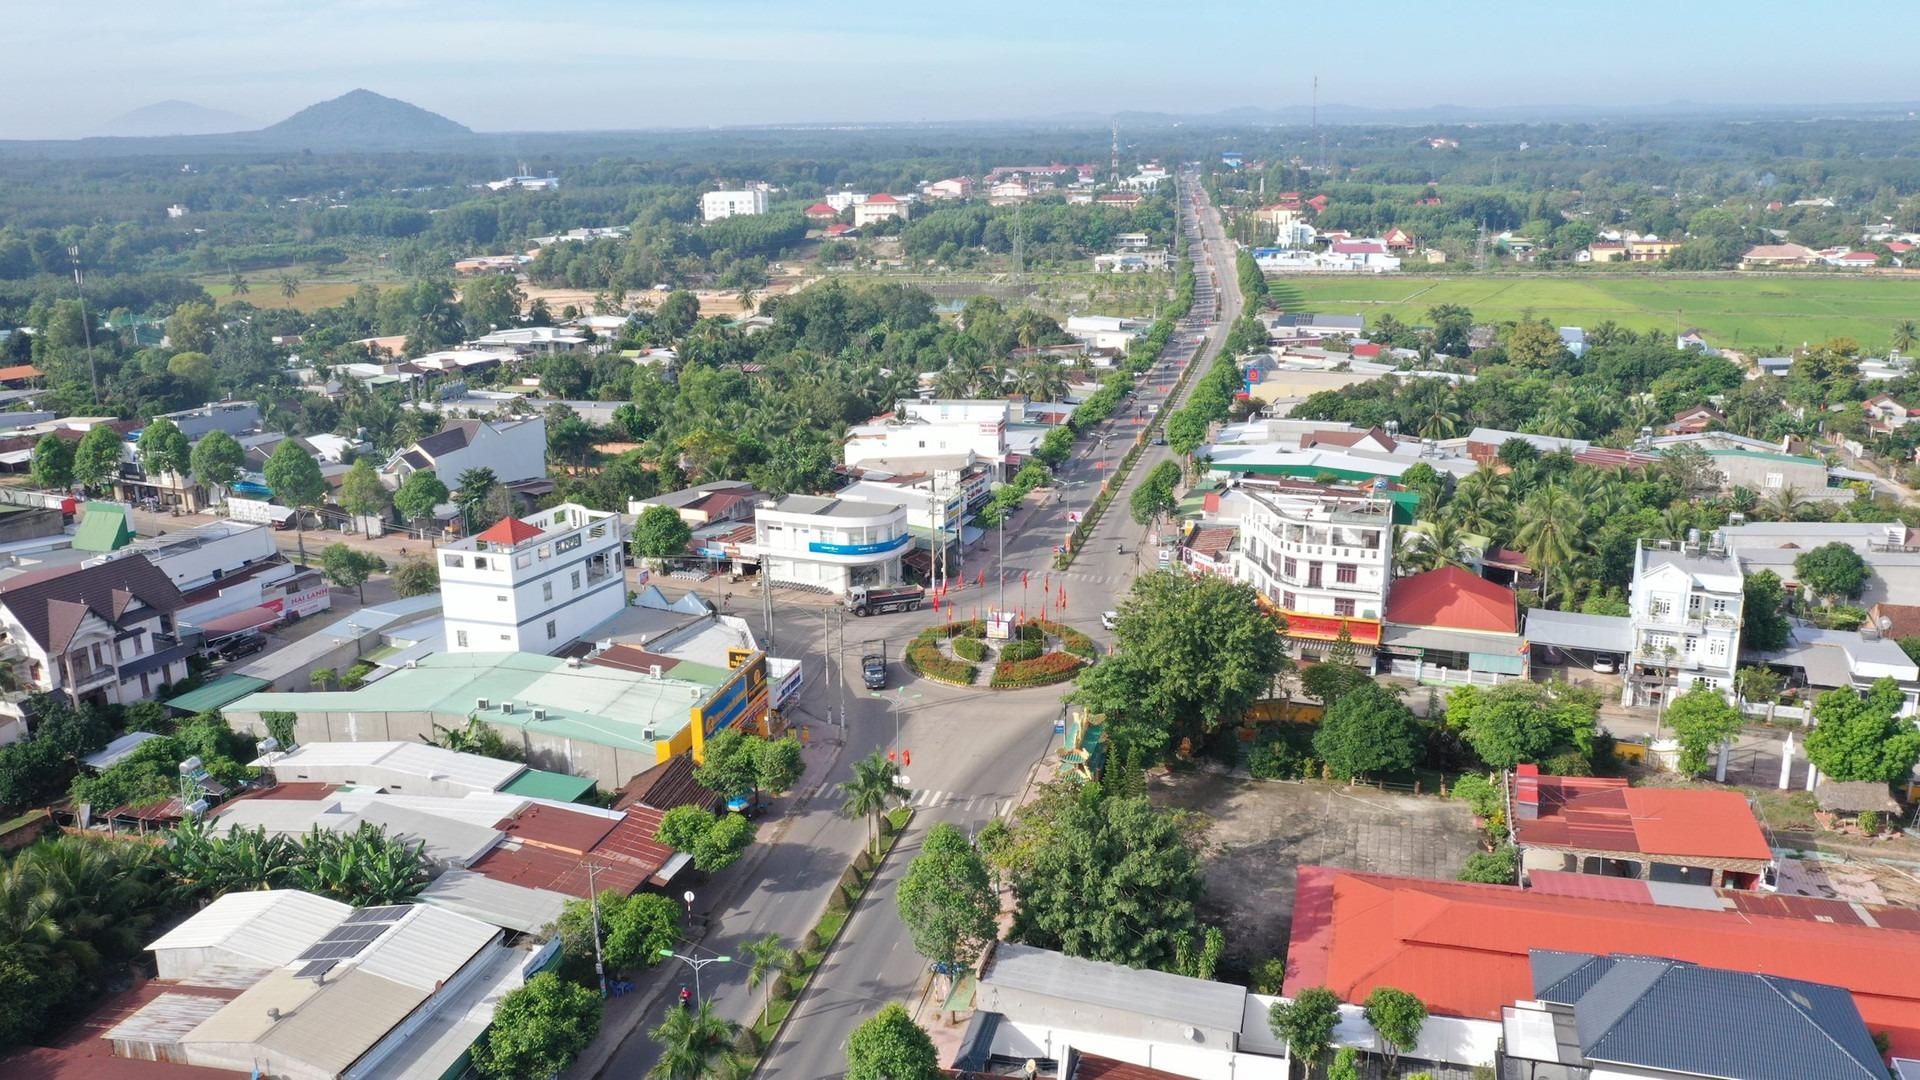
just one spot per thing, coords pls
(980, 578)
(906, 757)
(1023, 579)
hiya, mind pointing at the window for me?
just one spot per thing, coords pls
(1719, 605)
(1693, 644)
(460, 638)
(546, 551)
(1343, 606)
(552, 632)
(576, 581)
(1313, 575)
(456, 562)
(502, 597)
(1286, 600)
(1775, 480)
(1289, 567)
(546, 590)
(1346, 573)
(479, 562)
(1717, 647)
(566, 543)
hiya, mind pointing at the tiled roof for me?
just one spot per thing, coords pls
(509, 531)
(51, 604)
(667, 785)
(454, 436)
(1604, 814)
(882, 199)
(1455, 599)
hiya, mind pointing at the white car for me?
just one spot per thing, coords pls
(1109, 619)
(1603, 665)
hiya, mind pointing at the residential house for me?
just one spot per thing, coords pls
(1575, 339)
(705, 504)
(1121, 200)
(1650, 248)
(516, 451)
(880, 207)
(918, 436)
(1008, 192)
(103, 633)
(1776, 255)
(1891, 551)
(1107, 331)
(534, 340)
(1322, 559)
(1886, 414)
(1695, 420)
(1602, 825)
(1853, 260)
(1814, 661)
(1686, 600)
(534, 584)
(1451, 625)
(821, 213)
(842, 201)
(1602, 251)
(1397, 239)
(716, 205)
(954, 187)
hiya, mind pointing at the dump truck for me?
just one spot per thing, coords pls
(864, 600)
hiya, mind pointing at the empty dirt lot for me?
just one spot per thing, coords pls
(1261, 830)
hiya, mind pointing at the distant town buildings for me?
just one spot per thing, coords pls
(717, 205)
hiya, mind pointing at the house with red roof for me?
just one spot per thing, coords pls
(1121, 200)
(533, 584)
(838, 230)
(879, 207)
(1318, 203)
(1452, 625)
(1884, 413)
(1397, 240)
(821, 212)
(1602, 825)
(1695, 420)
(1466, 950)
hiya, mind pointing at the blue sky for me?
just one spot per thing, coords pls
(578, 64)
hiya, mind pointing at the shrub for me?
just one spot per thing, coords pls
(971, 628)
(1283, 751)
(1030, 631)
(839, 901)
(1043, 670)
(1019, 650)
(852, 876)
(926, 659)
(1267, 975)
(863, 862)
(970, 648)
(1568, 763)
(745, 1042)
(1071, 640)
(1871, 822)
(1496, 867)
(811, 942)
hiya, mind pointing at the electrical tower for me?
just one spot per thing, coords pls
(1115, 178)
(1019, 243)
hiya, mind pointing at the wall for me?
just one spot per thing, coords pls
(1027, 1038)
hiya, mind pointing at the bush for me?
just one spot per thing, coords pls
(1267, 975)
(1283, 751)
(970, 648)
(971, 628)
(811, 942)
(863, 862)
(745, 1042)
(1030, 631)
(1871, 822)
(1053, 667)
(840, 900)
(1019, 650)
(1071, 640)
(1568, 763)
(1496, 867)
(925, 658)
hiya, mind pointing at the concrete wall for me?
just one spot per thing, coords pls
(31, 524)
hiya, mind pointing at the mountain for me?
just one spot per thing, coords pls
(175, 118)
(362, 118)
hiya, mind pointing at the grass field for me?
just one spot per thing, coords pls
(1752, 314)
(316, 290)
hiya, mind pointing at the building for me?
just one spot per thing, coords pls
(1694, 421)
(1130, 262)
(821, 213)
(1451, 625)
(1322, 560)
(1686, 600)
(533, 584)
(705, 504)
(103, 633)
(1107, 331)
(516, 451)
(1603, 826)
(1466, 950)
(232, 578)
(831, 544)
(715, 205)
(954, 187)
(531, 340)
(586, 720)
(1891, 551)
(1603, 251)
(1884, 413)
(1650, 248)
(1814, 661)
(1776, 255)
(415, 768)
(877, 208)
(944, 433)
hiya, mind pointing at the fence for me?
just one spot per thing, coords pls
(1427, 673)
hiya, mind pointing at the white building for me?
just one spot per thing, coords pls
(878, 207)
(1107, 331)
(925, 435)
(1685, 608)
(1129, 262)
(102, 633)
(831, 544)
(545, 340)
(715, 205)
(516, 450)
(533, 584)
(1323, 560)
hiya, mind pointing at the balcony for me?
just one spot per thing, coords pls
(87, 680)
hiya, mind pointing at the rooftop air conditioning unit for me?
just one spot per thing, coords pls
(507, 707)
(413, 663)
(647, 734)
(573, 661)
(539, 714)
(482, 704)
(653, 671)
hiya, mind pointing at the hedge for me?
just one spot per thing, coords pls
(969, 648)
(1054, 667)
(1071, 640)
(1019, 650)
(925, 658)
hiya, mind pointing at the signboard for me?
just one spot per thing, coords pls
(302, 602)
(741, 701)
(1327, 628)
(1001, 625)
(898, 542)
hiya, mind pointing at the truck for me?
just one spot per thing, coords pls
(873, 666)
(864, 600)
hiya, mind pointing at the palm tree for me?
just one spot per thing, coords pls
(874, 788)
(748, 298)
(694, 1045)
(1782, 503)
(289, 285)
(1434, 543)
(1905, 333)
(237, 284)
(1042, 379)
(1551, 530)
(769, 959)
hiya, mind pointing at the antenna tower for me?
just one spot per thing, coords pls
(1115, 179)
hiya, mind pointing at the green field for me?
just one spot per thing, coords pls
(1756, 315)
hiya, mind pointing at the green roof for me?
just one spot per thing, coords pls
(602, 705)
(219, 693)
(541, 784)
(1766, 456)
(104, 527)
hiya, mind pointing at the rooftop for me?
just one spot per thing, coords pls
(363, 762)
(1455, 599)
(827, 506)
(1593, 813)
(1201, 1002)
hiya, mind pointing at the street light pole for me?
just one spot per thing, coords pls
(899, 698)
(696, 963)
(593, 901)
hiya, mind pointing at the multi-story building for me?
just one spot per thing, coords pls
(103, 633)
(715, 205)
(1685, 609)
(1324, 560)
(516, 451)
(831, 544)
(879, 207)
(533, 584)
(922, 436)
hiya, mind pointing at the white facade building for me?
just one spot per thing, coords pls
(1685, 606)
(533, 584)
(102, 633)
(831, 544)
(515, 450)
(1107, 331)
(715, 205)
(1323, 560)
(927, 435)
(877, 208)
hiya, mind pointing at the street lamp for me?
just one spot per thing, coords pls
(688, 897)
(696, 963)
(900, 697)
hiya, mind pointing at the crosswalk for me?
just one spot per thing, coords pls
(992, 805)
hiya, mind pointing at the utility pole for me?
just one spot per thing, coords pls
(766, 599)
(1001, 568)
(593, 900)
(1116, 152)
(86, 324)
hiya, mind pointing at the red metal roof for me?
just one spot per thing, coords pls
(624, 853)
(1463, 948)
(557, 828)
(81, 1053)
(1093, 1067)
(821, 209)
(1455, 599)
(19, 371)
(509, 531)
(1604, 814)
(1368, 349)
(882, 198)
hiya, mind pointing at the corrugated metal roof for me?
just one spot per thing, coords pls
(1212, 1005)
(110, 755)
(426, 947)
(273, 925)
(1577, 630)
(541, 784)
(501, 903)
(220, 692)
(341, 760)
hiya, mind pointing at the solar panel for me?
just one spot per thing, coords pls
(362, 932)
(334, 950)
(315, 968)
(387, 914)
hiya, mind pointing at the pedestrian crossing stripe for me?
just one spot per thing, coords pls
(927, 798)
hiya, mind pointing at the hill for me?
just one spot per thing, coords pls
(362, 118)
(175, 118)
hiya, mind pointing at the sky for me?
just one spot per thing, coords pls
(600, 64)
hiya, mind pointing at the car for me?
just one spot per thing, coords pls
(1109, 619)
(1605, 665)
(1159, 440)
(240, 647)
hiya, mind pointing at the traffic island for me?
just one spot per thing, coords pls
(948, 653)
(1043, 653)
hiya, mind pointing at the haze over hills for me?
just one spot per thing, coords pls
(175, 118)
(363, 117)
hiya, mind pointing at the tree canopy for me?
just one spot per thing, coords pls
(947, 899)
(890, 1046)
(1523, 721)
(1368, 731)
(1862, 737)
(538, 1029)
(1833, 569)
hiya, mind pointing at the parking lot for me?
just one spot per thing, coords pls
(1259, 831)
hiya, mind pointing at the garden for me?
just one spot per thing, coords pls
(1041, 652)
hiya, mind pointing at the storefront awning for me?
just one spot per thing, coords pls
(247, 619)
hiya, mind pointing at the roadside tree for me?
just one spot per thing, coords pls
(890, 1046)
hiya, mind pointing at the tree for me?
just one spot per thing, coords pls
(1306, 1023)
(660, 533)
(418, 496)
(1369, 730)
(1831, 570)
(1763, 618)
(1398, 1017)
(191, 326)
(1345, 1064)
(738, 764)
(1859, 737)
(1154, 496)
(296, 482)
(768, 959)
(361, 492)
(715, 841)
(1330, 682)
(890, 1046)
(163, 449)
(1534, 345)
(947, 899)
(1523, 721)
(349, 568)
(97, 459)
(875, 787)
(289, 285)
(1701, 720)
(633, 930)
(538, 1029)
(1496, 867)
(472, 488)
(415, 577)
(53, 463)
(217, 460)
(1194, 654)
(695, 1044)
(194, 367)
